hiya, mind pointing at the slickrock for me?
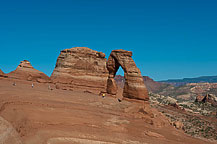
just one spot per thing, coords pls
(25, 71)
(81, 68)
(8, 135)
(153, 134)
(134, 85)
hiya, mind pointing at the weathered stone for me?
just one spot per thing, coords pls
(2, 74)
(178, 125)
(25, 71)
(81, 68)
(8, 134)
(40, 80)
(199, 98)
(134, 85)
(111, 86)
(101, 54)
(153, 134)
(169, 101)
(210, 98)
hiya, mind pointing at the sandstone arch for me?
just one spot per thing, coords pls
(134, 86)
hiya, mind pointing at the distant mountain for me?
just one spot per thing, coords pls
(150, 84)
(154, 86)
(202, 79)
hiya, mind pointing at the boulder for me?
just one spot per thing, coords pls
(25, 71)
(134, 86)
(169, 101)
(153, 134)
(111, 86)
(81, 68)
(41, 80)
(178, 125)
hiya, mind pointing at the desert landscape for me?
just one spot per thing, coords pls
(84, 101)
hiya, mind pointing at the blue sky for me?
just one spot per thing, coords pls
(169, 38)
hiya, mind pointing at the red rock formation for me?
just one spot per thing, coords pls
(80, 68)
(2, 74)
(199, 98)
(25, 71)
(134, 85)
(175, 105)
(210, 98)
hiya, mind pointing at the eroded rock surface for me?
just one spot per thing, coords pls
(8, 134)
(210, 98)
(2, 74)
(25, 71)
(134, 85)
(80, 68)
(41, 116)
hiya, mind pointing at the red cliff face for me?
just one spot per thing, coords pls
(80, 68)
(25, 71)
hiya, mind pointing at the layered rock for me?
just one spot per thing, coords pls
(199, 98)
(210, 98)
(134, 85)
(25, 71)
(80, 68)
(2, 74)
(8, 134)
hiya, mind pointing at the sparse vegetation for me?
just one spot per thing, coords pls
(199, 119)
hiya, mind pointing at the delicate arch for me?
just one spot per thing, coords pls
(134, 86)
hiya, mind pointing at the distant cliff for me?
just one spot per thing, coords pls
(202, 79)
(150, 84)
